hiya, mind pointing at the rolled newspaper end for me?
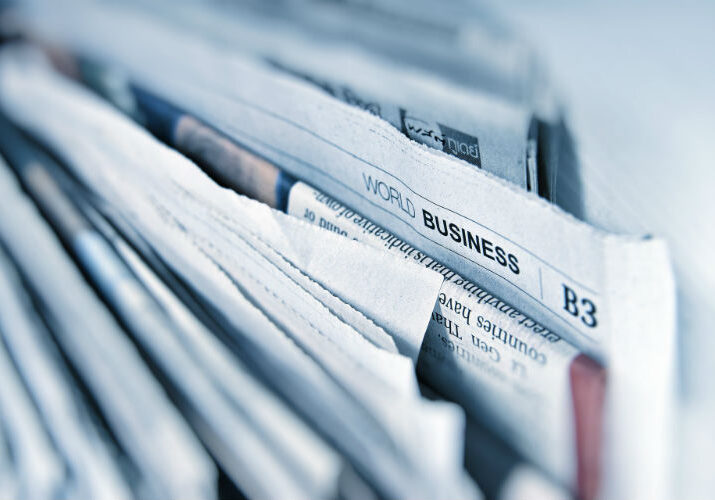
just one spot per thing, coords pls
(518, 378)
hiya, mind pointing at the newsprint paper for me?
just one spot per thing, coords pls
(610, 295)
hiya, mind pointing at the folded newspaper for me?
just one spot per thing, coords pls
(272, 252)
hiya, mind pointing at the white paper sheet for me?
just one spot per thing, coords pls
(38, 466)
(611, 295)
(484, 130)
(130, 397)
(28, 342)
(314, 463)
(414, 446)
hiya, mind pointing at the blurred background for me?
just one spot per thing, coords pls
(636, 80)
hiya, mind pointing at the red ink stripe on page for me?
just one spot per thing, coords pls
(588, 388)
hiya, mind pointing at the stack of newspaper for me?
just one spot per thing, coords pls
(310, 249)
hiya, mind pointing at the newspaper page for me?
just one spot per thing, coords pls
(562, 388)
(314, 464)
(522, 370)
(485, 131)
(357, 392)
(610, 295)
(104, 355)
